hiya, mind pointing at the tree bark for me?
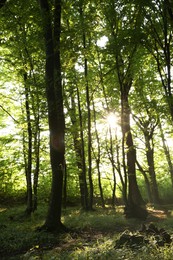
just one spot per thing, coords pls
(135, 202)
(110, 151)
(147, 183)
(88, 110)
(151, 169)
(167, 153)
(78, 140)
(37, 165)
(29, 150)
(148, 126)
(84, 186)
(98, 158)
(55, 111)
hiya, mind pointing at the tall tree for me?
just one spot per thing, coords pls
(124, 43)
(52, 31)
(29, 148)
(88, 103)
(24, 60)
(74, 111)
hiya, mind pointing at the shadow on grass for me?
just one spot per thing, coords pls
(89, 231)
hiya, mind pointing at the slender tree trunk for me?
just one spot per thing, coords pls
(77, 130)
(151, 170)
(97, 158)
(89, 112)
(167, 153)
(89, 138)
(55, 112)
(119, 170)
(29, 151)
(84, 187)
(36, 137)
(124, 169)
(147, 182)
(37, 165)
(110, 151)
(147, 127)
(82, 175)
(65, 188)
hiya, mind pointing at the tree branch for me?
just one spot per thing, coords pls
(9, 114)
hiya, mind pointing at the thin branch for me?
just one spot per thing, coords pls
(9, 114)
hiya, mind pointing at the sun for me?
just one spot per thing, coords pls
(112, 120)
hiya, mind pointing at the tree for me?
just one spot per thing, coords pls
(158, 40)
(97, 156)
(148, 125)
(124, 48)
(166, 151)
(106, 50)
(88, 103)
(75, 115)
(20, 38)
(52, 31)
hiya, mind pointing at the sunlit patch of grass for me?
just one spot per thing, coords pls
(86, 220)
(105, 220)
(93, 236)
(104, 248)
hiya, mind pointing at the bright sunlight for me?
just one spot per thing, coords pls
(112, 120)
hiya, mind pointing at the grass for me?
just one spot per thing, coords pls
(94, 236)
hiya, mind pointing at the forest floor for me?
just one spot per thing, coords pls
(100, 234)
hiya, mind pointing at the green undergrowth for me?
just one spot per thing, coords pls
(93, 235)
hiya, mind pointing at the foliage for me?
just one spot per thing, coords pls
(103, 44)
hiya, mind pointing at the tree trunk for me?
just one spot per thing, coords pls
(29, 151)
(151, 170)
(167, 153)
(65, 188)
(110, 151)
(37, 165)
(123, 180)
(135, 201)
(147, 183)
(84, 191)
(97, 158)
(55, 112)
(77, 132)
(88, 110)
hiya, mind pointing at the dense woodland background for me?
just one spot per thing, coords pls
(112, 63)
